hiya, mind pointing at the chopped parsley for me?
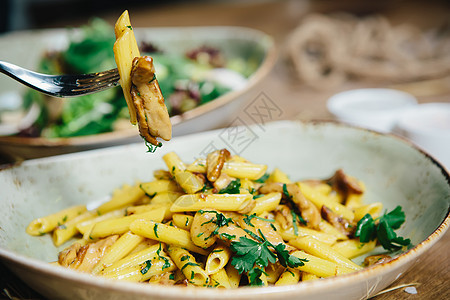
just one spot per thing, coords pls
(263, 178)
(146, 266)
(155, 230)
(165, 259)
(228, 236)
(220, 220)
(184, 257)
(383, 228)
(252, 256)
(248, 219)
(189, 264)
(232, 188)
(150, 147)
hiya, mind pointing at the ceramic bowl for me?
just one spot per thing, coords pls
(373, 108)
(235, 42)
(394, 171)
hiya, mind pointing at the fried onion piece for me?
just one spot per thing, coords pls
(151, 112)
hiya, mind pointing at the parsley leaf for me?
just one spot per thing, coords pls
(253, 256)
(254, 276)
(232, 188)
(250, 253)
(263, 178)
(146, 266)
(395, 218)
(287, 260)
(368, 229)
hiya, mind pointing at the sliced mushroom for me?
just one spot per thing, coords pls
(151, 112)
(308, 210)
(343, 225)
(376, 259)
(84, 258)
(344, 184)
(214, 163)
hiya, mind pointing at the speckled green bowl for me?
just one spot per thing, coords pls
(394, 172)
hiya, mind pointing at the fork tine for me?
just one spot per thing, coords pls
(62, 85)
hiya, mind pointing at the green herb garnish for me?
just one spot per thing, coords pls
(155, 230)
(253, 256)
(263, 178)
(383, 228)
(146, 266)
(232, 188)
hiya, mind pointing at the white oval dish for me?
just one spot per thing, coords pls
(394, 171)
(373, 108)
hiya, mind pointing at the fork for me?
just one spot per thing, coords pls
(62, 85)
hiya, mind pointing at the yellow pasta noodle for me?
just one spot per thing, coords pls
(319, 199)
(319, 249)
(125, 196)
(48, 223)
(226, 202)
(217, 259)
(188, 265)
(166, 234)
(124, 245)
(353, 248)
(122, 225)
(320, 267)
(288, 277)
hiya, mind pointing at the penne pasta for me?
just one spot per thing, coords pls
(353, 248)
(48, 223)
(122, 225)
(319, 200)
(189, 266)
(124, 245)
(319, 249)
(123, 197)
(166, 234)
(225, 202)
(288, 277)
(320, 267)
(220, 279)
(217, 259)
(66, 231)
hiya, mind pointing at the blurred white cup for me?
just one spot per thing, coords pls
(428, 126)
(372, 108)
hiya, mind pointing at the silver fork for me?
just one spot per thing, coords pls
(62, 85)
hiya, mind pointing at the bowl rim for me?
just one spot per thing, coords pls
(269, 60)
(272, 292)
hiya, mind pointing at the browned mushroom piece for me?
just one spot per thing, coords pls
(151, 112)
(308, 210)
(344, 184)
(343, 225)
(214, 163)
(376, 259)
(85, 257)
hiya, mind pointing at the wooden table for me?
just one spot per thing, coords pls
(295, 100)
